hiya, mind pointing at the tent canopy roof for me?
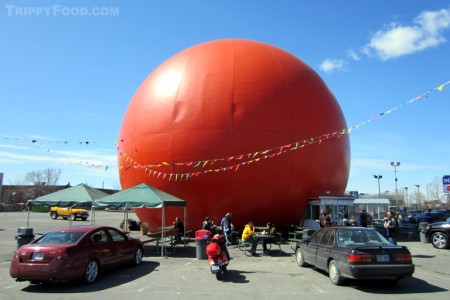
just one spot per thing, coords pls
(80, 195)
(372, 201)
(139, 196)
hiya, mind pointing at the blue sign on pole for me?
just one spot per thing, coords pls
(446, 179)
(446, 183)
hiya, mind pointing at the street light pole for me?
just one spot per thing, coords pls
(395, 165)
(418, 195)
(378, 177)
(406, 198)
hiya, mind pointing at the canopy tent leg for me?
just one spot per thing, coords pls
(163, 233)
(93, 214)
(185, 224)
(70, 215)
(28, 215)
(125, 219)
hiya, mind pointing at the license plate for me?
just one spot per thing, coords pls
(37, 256)
(382, 258)
(215, 268)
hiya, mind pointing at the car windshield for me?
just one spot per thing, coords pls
(361, 238)
(60, 238)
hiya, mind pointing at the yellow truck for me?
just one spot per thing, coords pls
(67, 212)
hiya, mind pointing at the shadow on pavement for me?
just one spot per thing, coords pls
(423, 256)
(105, 281)
(406, 286)
(235, 276)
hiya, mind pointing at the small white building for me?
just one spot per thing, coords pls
(340, 207)
(377, 208)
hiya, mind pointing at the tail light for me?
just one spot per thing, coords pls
(359, 258)
(64, 254)
(403, 257)
(213, 249)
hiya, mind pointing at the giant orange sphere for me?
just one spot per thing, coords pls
(235, 126)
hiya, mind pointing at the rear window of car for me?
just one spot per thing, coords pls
(361, 238)
(60, 238)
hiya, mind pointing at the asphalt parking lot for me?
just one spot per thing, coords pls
(182, 276)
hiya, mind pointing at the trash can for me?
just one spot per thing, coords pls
(422, 232)
(202, 238)
(24, 236)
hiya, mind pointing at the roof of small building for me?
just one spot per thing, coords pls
(372, 201)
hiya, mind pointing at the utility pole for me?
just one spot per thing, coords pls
(395, 165)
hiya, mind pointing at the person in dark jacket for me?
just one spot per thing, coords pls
(179, 229)
(208, 224)
(391, 227)
(363, 218)
(270, 230)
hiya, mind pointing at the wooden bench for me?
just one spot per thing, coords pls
(277, 241)
(242, 245)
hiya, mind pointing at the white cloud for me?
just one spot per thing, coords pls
(396, 40)
(89, 157)
(14, 147)
(13, 158)
(331, 65)
(353, 55)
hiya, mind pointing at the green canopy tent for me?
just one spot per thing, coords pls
(143, 195)
(80, 195)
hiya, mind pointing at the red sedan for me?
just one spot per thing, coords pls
(75, 253)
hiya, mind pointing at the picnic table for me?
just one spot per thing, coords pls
(295, 235)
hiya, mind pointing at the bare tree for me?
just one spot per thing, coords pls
(18, 180)
(435, 190)
(49, 176)
(42, 179)
(34, 177)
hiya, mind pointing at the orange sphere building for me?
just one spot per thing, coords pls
(235, 126)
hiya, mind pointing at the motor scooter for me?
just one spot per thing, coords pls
(218, 256)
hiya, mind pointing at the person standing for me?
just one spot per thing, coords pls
(226, 227)
(179, 229)
(324, 219)
(391, 227)
(363, 218)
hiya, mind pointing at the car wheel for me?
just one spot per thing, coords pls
(137, 260)
(54, 215)
(73, 217)
(91, 273)
(440, 240)
(300, 258)
(335, 275)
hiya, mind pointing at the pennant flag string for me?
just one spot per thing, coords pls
(256, 156)
(281, 149)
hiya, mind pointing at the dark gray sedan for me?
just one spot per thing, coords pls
(356, 253)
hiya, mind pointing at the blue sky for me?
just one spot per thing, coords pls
(67, 79)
